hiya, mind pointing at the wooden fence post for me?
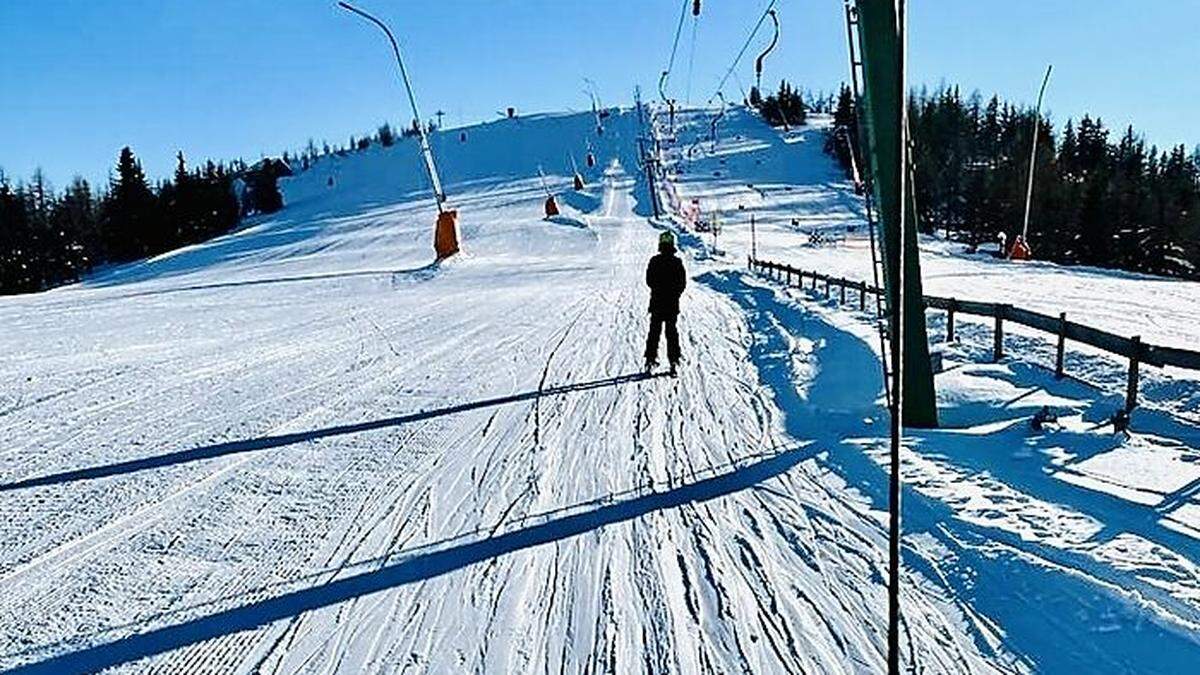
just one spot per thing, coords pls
(1131, 391)
(827, 287)
(842, 285)
(1059, 370)
(950, 320)
(998, 346)
(862, 296)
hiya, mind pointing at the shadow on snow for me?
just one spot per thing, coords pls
(416, 568)
(1058, 609)
(268, 442)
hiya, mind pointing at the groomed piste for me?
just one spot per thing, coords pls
(306, 447)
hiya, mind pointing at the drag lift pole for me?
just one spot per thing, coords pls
(758, 63)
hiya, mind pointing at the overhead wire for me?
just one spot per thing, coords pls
(691, 59)
(675, 43)
(662, 81)
(741, 87)
(742, 52)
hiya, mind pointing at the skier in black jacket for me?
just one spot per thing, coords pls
(666, 278)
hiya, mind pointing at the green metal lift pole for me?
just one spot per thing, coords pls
(882, 48)
(882, 45)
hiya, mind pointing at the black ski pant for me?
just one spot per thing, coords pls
(657, 323)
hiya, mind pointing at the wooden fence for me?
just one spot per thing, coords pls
(1133, 348)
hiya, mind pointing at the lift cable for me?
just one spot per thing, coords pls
(691, 60)
(742, 52)
(662, 81)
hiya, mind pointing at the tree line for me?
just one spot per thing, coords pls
(49, 238)
(786, 107)
(1098, 199)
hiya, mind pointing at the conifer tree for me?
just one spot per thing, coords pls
(129, 226)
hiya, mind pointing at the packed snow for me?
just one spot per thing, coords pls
(305, 447)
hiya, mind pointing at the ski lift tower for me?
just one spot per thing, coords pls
(884, 127)
(882, 46)
(445, 235)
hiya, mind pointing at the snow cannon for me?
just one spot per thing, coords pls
(1020, 250)
(577, 179)
(551, 204)
(591, 160)
(445, 234)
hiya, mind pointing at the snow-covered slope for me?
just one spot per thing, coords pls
(1081, 547)
(305, 448)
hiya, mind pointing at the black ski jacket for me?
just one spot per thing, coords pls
(666, 278)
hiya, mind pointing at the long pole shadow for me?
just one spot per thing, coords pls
(417, 568)
(267, 442)
(378, 561)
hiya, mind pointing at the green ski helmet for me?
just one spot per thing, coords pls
(666, 239)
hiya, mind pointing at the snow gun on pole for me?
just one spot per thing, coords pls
(597, 107)
(576, 176)
(445, 237)
(1037, 124)
(551, 204)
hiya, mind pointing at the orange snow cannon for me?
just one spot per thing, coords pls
(445, 235)
(1020, 250)
(551, 207)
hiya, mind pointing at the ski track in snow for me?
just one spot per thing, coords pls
(300, 448)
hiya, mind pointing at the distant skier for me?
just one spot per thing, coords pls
(666, 278)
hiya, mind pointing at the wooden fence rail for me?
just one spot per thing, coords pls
(1131, 348)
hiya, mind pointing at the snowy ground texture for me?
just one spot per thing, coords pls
(303, 448)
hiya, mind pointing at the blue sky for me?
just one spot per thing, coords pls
(229, 78)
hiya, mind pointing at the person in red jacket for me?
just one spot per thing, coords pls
(667, 279)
